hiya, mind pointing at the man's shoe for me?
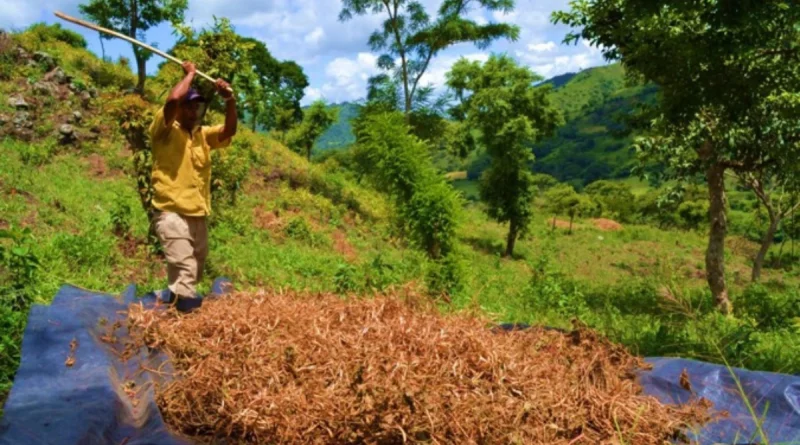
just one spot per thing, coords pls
(186, 305)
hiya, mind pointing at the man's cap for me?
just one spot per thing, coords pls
(193, 94)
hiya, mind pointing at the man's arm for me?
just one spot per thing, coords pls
(178, 93)
(231, 118)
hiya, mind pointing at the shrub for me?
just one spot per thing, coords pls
(771, 309)
(446, 276)
(346, 278)
(229, 167)
(399, 164)
(54, 32)
(693, 213)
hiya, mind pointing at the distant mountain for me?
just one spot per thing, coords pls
(589, 145)
(340, 134)
(586, 148)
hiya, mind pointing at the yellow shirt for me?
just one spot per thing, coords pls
(182, 166)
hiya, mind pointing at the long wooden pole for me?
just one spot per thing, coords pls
(129, 39)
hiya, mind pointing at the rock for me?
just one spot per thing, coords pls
(86, 98)
(21, 119)
(67, 133)
(21, 54)
(93, 92)
(18, 102)
(44, 58)
(66, 130)
(44, 88)
(3, 119)
(32, 63)
(58, 75)
(77, 116)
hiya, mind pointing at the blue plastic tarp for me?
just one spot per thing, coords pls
(90, 403)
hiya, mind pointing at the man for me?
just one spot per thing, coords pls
(181, 178)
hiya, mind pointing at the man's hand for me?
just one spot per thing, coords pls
(189, 68)
(223, 88)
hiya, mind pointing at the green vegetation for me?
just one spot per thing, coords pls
(382, 213)
(134, 19)
(701, 126)
(499, 100)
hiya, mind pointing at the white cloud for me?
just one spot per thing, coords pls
(347, 78)
(315, 36)
(542, 47)
(311, 94)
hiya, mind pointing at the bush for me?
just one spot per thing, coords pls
(770, 309)
(54, 32)
(346, 278)
(693, 213)
(230, 167)
(446, 276)
(399, 164)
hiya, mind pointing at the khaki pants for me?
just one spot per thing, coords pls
(185, 243)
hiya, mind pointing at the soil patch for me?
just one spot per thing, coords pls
(312, 369)
(97, 165)
(342, 246)
(607, 225)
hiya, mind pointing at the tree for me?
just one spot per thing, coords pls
(728, 76)
(399, 164)
(271, 84)
(499, 99)
(316, 119)
(133, 18)
(562, 199)
(409, 34)
(779, 204)
(615, 198)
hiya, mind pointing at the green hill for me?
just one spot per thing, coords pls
(340, 134)
(585, 149)
(588, 146)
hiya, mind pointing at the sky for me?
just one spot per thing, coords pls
(335, 55)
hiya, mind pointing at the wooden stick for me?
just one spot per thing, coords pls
(129, 39)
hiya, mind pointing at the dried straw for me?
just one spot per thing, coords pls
(314, 369)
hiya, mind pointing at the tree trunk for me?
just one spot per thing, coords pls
(715, 254)
(766, 242)
(141, 67)
(253, 122)
(512, 238)
(571, 218)
(102, 46)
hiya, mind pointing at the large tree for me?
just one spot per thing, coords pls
(410, 35)
(133, 18)
(499, 99)
(273, 84)
(728, 75)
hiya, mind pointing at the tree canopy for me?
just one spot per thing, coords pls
(411, 35)
(499, 99)
(729, 81)
(133, 18)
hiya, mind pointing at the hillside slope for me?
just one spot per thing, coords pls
(589, 145)
(585, 149)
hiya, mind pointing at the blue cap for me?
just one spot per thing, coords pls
(192, 94)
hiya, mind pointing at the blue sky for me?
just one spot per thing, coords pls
(335, 55)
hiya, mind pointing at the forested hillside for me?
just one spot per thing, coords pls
(591, 144)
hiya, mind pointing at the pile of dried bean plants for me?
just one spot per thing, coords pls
(313, 369)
